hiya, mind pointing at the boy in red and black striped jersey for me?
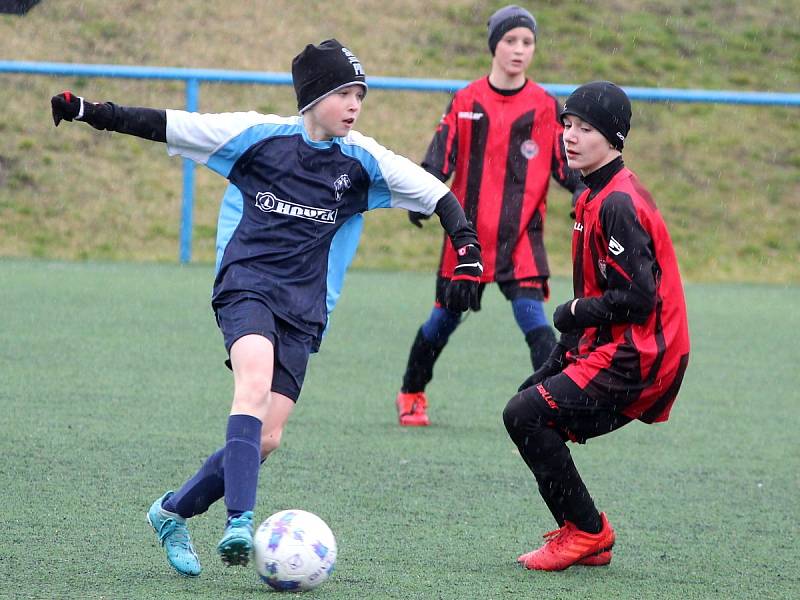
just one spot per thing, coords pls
(624, 346)
(501, 139)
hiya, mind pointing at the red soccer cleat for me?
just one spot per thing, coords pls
(411, 409)
(569, 545)
(600, 559)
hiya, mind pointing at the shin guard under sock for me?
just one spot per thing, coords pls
(241, 461)
(540, 341)
(421, 359)
(201, 491)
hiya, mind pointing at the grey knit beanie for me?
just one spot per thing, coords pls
(506, 19)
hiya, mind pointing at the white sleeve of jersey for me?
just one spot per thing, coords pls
(408, 185)
(198, 136)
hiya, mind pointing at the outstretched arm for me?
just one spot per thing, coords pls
(454, 221)
(147, 123)
(463, 292)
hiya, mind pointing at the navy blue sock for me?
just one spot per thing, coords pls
(242, 458)
(201, 491)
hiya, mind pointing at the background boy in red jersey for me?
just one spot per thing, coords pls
(624, 346)
(502, 138)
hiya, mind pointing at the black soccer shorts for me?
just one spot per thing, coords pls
(244, 315)
(565, 407)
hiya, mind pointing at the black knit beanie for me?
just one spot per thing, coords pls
(506, 19)
(605, 107)
(318, 71)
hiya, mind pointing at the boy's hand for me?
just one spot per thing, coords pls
(417, 218)
(554, 364)
(564, 316)
(66, 106)
(463, 292)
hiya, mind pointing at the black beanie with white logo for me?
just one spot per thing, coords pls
(508, 18)
(605, 107)
(319, 71)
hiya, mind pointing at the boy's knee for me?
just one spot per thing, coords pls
(525, 415)
(252, 393)
(517, 415)
(440, 325)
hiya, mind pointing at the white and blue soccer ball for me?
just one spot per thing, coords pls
(294, 551)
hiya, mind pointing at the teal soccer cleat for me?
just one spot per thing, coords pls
(173, 534)
(235, 546)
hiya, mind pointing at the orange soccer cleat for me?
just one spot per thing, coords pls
(411, 409)
(600, 559)
(569, 545)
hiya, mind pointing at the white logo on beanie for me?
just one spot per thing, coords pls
(357, 68)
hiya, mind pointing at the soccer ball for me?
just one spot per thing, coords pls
(294, 551)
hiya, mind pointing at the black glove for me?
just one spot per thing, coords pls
(67, 106)
(563, 319)
(463, 292)
(554, 364)
(417, 218)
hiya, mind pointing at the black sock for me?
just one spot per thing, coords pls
(550, 461)
(540, 341)
(421, 358)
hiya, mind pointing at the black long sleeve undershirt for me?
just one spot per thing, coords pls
(147, 123)
(455, 222)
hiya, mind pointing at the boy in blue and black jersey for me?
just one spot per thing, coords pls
(288, 228)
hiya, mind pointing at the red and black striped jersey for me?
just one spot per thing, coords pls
(634, 347)
(503, 149)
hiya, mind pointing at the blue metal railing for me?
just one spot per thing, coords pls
(193, 77)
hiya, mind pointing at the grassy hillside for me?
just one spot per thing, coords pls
(727, 178)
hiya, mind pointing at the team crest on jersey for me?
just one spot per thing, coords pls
(268, 202)
(529, 149)
(341, 185)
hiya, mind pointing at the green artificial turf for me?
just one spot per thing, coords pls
(113, 390)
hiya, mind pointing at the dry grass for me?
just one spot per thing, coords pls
(726, 177)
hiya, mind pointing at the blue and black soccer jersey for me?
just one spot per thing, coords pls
(291, 217)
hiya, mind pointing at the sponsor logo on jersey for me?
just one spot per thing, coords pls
(267, 202)
(546, 396)
(341, 185)
(529, 149)
(615, 247)
(472, 116)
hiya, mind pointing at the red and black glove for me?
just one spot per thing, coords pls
(66, 106)
(463, 292)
